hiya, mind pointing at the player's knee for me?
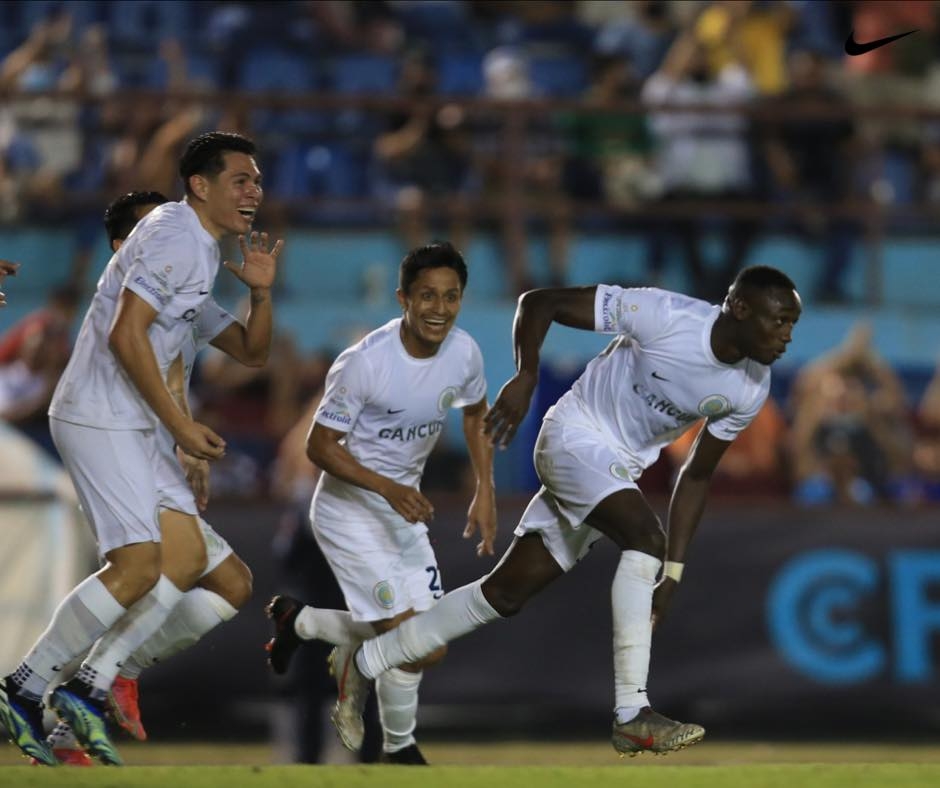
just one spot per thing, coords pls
(505, 601)
(238, 590)
(189, 567)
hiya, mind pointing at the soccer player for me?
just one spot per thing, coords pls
(674, 360)
(6, 269)
(381, 414)
(225, 584)
(103, 417)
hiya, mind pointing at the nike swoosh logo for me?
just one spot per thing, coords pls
(660, 377)
(203, 292)
(853, 48)
(393, 412)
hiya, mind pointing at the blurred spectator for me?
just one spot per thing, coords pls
(753, 34)
(810, 160)
(701, 158)
(608, 151)
(755, 464)
(639, 31)
(424, 157)
(33, 354)
(927, 446)
(7, 268)
(852, 438)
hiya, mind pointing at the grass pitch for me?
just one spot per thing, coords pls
(512, 764)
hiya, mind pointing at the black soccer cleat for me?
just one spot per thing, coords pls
(282, 610)
(407, 756)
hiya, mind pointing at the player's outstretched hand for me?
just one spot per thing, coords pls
(662, 598)
(259, 265)
(512, 403)
(197, 474)
(200, 442)
(481, 517)
(409, 503)
(7, 268)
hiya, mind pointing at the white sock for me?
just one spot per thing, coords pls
(198, 612)
(632, 602)
(144, 618)
(333, 626)
(397, 693)
(79, 620)
(458, 613)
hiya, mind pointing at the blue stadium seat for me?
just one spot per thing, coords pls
(558, 76)
(143, 23)
(83, 14)
(281, 71)
(460, 74)
(363, 74)
(441, 24)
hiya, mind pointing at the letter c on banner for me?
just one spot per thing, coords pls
(807, 608)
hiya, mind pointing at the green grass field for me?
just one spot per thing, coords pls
(511, 764)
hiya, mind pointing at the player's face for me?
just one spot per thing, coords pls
(768, 327)
(431, 306)
(234, 195)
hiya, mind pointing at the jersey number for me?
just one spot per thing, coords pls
(434, 586)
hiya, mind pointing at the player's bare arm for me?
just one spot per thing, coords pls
(535, 313)
(327, 453)
(196, 470)
(251, 343)
(481, 516)
(685, 510)
(7, 268)
(131, 346)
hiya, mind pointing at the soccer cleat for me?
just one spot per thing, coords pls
(352, 693)
(86, 717)
(66, 748)
(406, 756)
(282, 610)
(22, 720)
(122, 704)
(650, 731)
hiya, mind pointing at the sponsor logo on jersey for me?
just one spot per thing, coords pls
(156, 292)
(663, 405)
(714, 405)
(384, 594)
(414, 432)
(339, 416)
(619, 471)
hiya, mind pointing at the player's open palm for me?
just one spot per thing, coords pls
(197, 475)
(200, 442)
(409, 503)
(259, 262)
(481, 518)
(511, 405)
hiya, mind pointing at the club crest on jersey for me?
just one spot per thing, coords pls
(446, 399)
(384, 594)
(619, 471)
(714, 405)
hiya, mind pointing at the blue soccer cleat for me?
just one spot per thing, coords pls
(86, 717)
(22, 720)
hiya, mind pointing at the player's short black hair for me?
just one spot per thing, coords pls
(439, 254)
(204, 155)
(120, 216)
(762, 277)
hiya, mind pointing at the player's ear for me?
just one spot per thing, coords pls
(740, 308)
(400, 295)
(199, 185)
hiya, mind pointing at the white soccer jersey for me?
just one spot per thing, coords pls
(660, 376)
(392, 408)
(169, 260)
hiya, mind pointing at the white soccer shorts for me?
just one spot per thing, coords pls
(383, 568)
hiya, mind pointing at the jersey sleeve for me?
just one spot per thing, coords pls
(728, 427)
(161, 265)
(474, 388)
(640, 312)
(345, 392)
(212, 321)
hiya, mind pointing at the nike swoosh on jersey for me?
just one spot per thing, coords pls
(393, 412)
(660, 377)
(853, 48)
